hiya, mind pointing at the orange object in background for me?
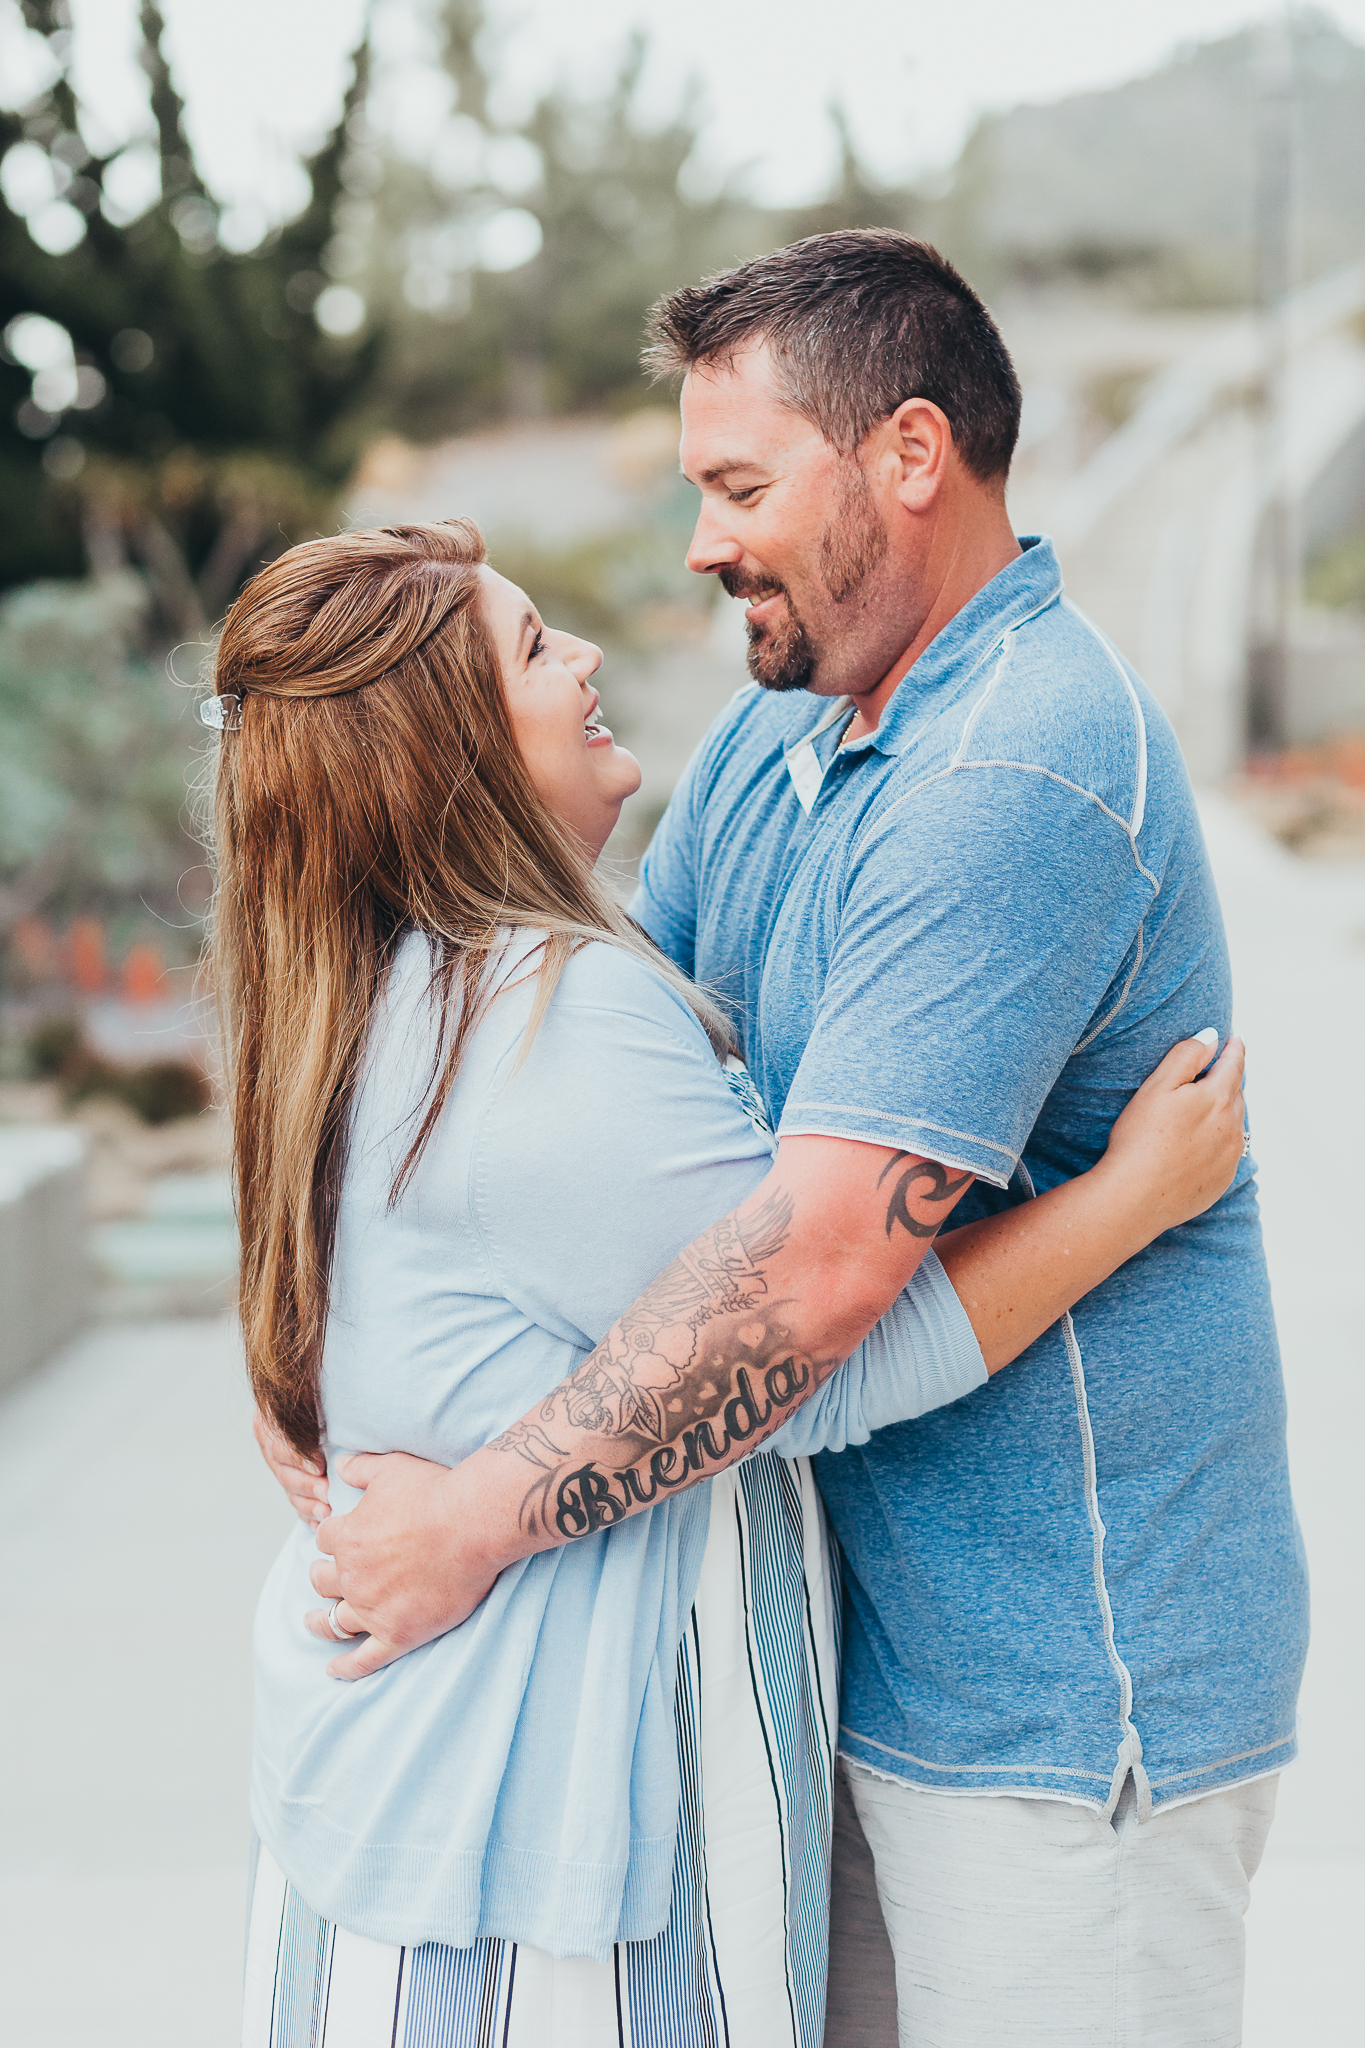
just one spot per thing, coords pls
(142, 974)
(35, 948)
(85, 955)
(1347, 759)
(1340, 759)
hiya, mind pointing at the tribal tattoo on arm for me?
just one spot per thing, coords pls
(940, 1189)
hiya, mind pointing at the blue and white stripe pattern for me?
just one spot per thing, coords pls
(741, 1962)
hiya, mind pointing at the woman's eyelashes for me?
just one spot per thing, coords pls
(538, 644)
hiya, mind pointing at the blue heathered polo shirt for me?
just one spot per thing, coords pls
(971, 935)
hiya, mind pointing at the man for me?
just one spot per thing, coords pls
(944, 863)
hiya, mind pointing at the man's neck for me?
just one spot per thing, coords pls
(956, 569)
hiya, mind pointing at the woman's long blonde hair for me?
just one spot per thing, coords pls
(373, 787)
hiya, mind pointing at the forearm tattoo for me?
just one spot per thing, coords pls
(702, 1363)
(939, 1189)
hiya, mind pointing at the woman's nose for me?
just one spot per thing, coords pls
(585, 660)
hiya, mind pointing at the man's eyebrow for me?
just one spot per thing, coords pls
(724, 468)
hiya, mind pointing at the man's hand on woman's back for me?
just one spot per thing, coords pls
(745, 1325)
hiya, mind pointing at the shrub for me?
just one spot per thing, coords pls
(157, 1090)
(52, 1046)
(162, 1090)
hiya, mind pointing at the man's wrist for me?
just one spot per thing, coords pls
(481, 1510)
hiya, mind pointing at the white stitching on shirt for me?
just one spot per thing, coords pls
(1200, 1770)
(1130, 1750)
(1006, 650)
(1050, 775)
(913, 739)
(1110, 1015)
(1025, 768)
(1140, 788)
(1058, 1770)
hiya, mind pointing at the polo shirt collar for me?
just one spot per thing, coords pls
(1028, 584)
(808, 756)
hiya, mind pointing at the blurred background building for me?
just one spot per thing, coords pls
(419, 292)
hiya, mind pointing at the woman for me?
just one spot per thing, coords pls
(474, 1114)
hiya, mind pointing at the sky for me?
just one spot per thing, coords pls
(263, 78)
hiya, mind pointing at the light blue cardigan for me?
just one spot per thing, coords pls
(518, 1776)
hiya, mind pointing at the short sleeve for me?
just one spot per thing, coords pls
(984, 921)
(616, 1142)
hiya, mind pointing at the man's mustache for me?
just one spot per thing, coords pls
(736, 584)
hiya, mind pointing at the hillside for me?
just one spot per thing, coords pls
(1159, 174)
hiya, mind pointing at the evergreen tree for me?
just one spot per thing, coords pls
(201, 417)
(205, 414)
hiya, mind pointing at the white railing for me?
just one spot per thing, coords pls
(1179, 398)
(44, 1268)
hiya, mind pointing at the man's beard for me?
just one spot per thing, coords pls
(783, 656)
(780, 656)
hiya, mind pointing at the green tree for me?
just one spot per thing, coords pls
(619, 223)
(206, 410)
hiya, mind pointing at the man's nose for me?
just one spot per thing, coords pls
(712, 547)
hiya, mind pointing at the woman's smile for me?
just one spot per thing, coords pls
(596, 733)
(571, 755)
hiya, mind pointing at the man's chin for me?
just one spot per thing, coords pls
(779, 669)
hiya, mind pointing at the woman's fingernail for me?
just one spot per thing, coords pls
(1208, 1036)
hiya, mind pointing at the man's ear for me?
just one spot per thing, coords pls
(921, 442)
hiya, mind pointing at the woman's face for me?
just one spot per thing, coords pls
(575, 764)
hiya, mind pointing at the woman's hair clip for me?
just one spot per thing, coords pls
(222, 713)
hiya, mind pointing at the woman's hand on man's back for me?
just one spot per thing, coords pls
(1181, 1138)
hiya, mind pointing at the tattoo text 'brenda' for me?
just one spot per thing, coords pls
(592, 1498)
(939, 1189)
(700, 1366)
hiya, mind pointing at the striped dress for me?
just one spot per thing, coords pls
(741, 1962)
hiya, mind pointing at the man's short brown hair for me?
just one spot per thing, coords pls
(858, 321)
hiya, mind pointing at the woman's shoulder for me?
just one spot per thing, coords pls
(601, 988)
(605, 1141)
(602, 977)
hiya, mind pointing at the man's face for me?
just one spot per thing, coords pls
(793, 526)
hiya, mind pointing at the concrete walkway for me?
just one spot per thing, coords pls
(136, 1524)
(1297, 932)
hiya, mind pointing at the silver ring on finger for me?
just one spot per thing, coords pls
(343, 1635)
